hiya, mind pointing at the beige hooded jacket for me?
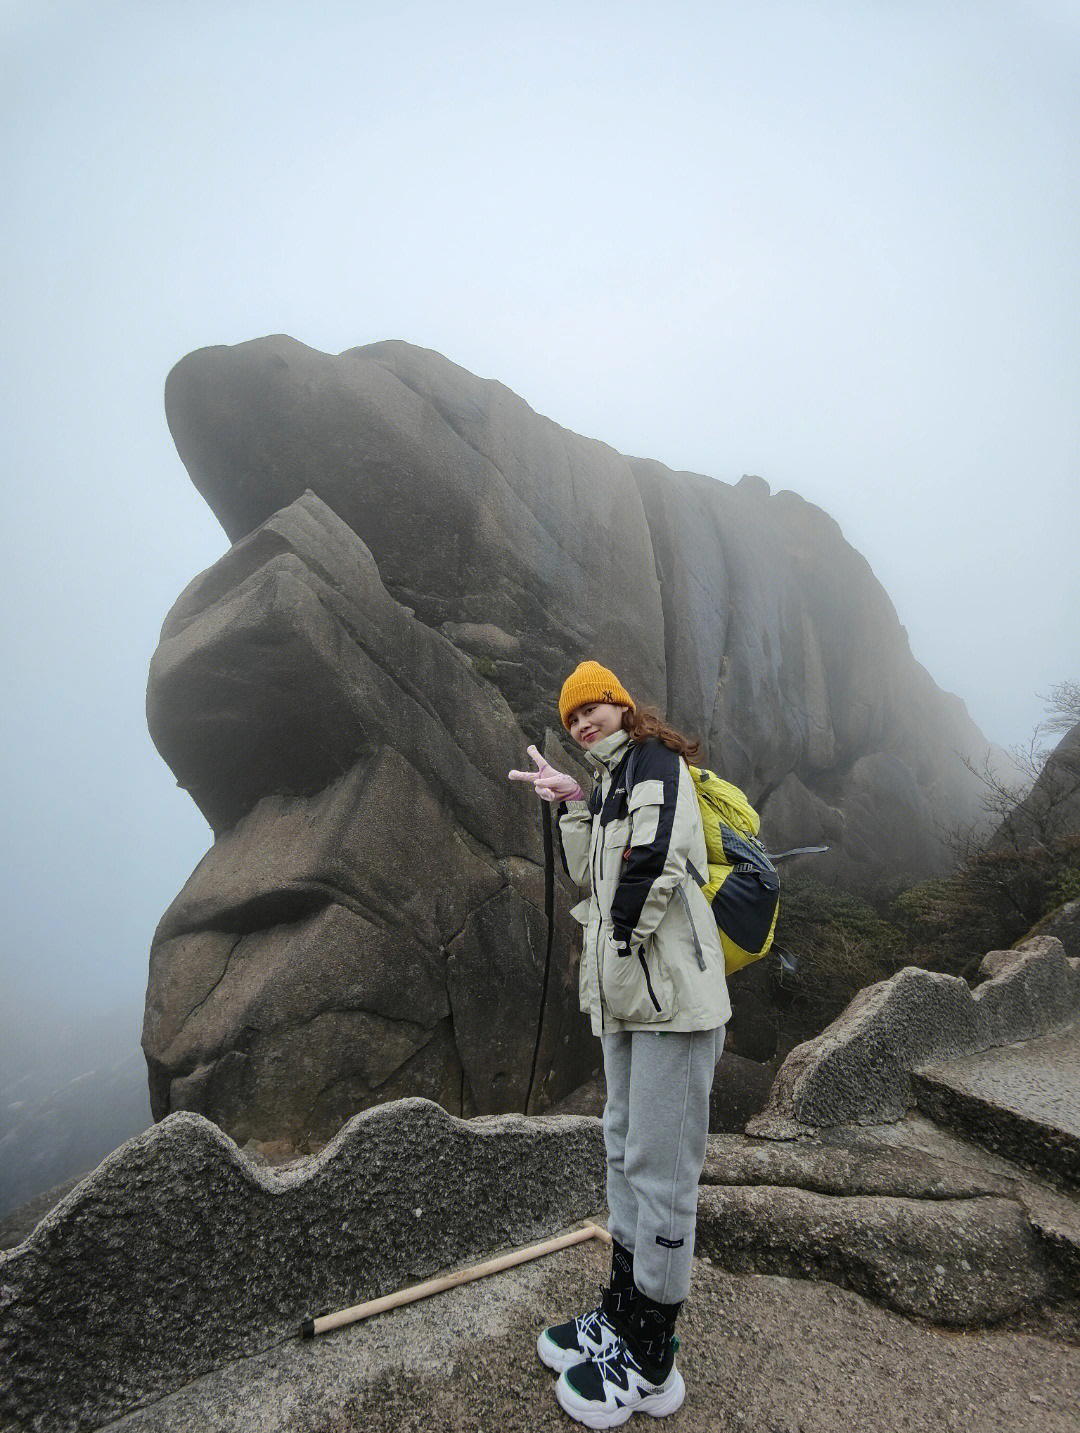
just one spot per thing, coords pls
(651, 956)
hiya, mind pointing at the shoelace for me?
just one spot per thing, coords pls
(593, 1323)
(607, 1361)
(621, 1351)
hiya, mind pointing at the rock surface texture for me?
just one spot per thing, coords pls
(758, 1352)
(910, 1215)
(1064, 924)
(418, 561)
(827, 1269)
(1022, 1099)
(178, 1254)
(862, 1068)
(967, 1216)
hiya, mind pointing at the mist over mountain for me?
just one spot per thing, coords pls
(68, 1100)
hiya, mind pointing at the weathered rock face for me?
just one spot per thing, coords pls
(865, 1067)
(1064, 925)
(419, 561)
(371, 921)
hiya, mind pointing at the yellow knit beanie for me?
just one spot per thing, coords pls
(590, 682)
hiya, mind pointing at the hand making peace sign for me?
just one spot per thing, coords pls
(549, 784)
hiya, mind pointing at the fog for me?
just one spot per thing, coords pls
(833, 244)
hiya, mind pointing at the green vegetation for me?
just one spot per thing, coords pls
(999, 888)
(1030, 865)
(990, 902)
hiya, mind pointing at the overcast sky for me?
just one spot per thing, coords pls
(834, 244)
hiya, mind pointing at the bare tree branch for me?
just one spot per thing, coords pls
(1064, 705)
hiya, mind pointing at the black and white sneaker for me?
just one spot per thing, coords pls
(604, 1391)
(587, 1336)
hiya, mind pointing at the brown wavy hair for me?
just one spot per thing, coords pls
(647, 721)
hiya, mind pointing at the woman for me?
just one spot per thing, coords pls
(652, 981)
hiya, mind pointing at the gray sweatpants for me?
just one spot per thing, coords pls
(656, 1121)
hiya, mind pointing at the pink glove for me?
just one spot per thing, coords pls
(549, 784)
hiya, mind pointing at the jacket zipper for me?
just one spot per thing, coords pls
(693, 929)
(599, 926)
(641, 949)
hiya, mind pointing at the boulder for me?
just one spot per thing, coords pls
(1063, 923)
(910, 1214)
(745, 616)
(372, 918)
(959, 1261)
(418, 561)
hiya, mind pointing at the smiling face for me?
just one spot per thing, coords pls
(594, 720)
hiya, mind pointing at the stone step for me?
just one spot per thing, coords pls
(952, 1261)
(1021, 1101)
(908, 1214)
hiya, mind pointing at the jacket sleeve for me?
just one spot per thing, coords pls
(573, 827)
(662, 808)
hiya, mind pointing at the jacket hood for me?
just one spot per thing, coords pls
(607, 751)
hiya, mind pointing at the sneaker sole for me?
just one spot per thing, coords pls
(657, 1405)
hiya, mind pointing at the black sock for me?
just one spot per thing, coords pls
(622, 1266)
(651, 1335)
(621, 1295)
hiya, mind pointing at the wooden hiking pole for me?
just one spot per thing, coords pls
(309, 1326)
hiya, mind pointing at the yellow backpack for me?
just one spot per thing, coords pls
(743, 888)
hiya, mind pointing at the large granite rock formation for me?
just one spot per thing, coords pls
(371, 920)
(419, 559)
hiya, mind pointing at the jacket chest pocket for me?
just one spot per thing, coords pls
(613, 842)
(643, 810)
(616, 833)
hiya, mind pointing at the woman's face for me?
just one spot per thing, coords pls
(595, 720)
